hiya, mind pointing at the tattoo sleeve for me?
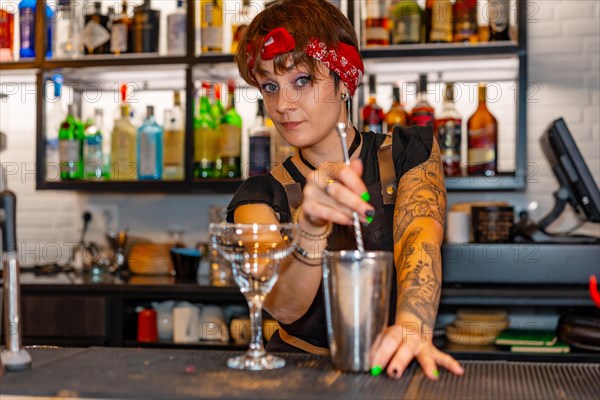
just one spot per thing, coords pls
(418, 223)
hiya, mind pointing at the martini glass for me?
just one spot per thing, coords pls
(255, 252)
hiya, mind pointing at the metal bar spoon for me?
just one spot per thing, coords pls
(341, 128)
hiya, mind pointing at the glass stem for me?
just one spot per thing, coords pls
(256, 345)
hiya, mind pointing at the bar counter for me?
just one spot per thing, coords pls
(134, 373)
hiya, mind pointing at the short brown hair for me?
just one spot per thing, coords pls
(304, 20)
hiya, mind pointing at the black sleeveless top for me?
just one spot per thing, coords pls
(410, 147)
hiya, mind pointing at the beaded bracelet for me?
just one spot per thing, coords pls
(302, 255)
(303, 233)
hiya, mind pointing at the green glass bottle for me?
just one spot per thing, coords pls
(206, 138)
(70, 138)
(231, 137)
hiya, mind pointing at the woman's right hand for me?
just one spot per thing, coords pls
(333, 193)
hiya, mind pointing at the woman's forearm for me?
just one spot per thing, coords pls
(419, 273)
(297, 285)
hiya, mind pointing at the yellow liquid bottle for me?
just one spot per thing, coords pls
(173, 141)
(211, 25)
(123, 148)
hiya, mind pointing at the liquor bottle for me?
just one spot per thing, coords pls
(482, 134)
(55, 114)
(149, 148)
(377, 25)
(123, 145)
(231, 137)
(397, 116)
(465, 21)
(177, 31)
(7, 31)
(146, 29)
(96, 36)
(422, 113)
(121, 37)
(70, 142)
(441, 21)
(27, 28)
(448, 128)
(207, 141)
(50, 22)
(242, 19)
(93, 158)
(498, 15)
(406, 22)
(173, 141)
(67, 31)
(211, 24)
(260, 143)
(372, 114)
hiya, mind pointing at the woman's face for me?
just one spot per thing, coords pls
(304, 108)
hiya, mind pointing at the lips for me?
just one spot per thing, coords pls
(291, 125)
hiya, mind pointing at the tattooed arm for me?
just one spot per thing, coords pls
(418, 232)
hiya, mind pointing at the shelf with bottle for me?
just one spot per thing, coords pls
(140, 140)
(451, 101)
(119, 138)
(396, 28)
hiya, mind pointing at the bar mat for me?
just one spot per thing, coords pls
(128, 373)
(43, 355)
(511, 380)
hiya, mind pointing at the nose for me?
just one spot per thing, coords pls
(286, 99)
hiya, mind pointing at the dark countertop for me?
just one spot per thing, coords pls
(133, 373)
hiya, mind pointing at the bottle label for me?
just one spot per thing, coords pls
(118, 38)
(147, 156)
(212, 37)
(176, 36)
(68, 153)
(376, 34)
(449, 132)
(120, 149)
(407, 29)
(482, 148)
(422, 119)
(94, 35)
(207, 144)
(173, 148)
(27, 27)
(441, 22)
(231, 141)
(498, 14)
(260, 155)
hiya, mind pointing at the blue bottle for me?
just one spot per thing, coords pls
(149, 148)
(27, 29)
(50, 22)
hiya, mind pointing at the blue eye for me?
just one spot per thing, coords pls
(303, 80)
(269, 87)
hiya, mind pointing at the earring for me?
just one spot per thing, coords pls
(345, 96)
(349, 109)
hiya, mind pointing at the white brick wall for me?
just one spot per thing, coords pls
(564, 47)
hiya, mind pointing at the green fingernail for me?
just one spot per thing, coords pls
(436, 373)
(376, 370)
(369, 219)
(365, 196)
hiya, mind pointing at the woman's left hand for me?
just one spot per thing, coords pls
(402, 342)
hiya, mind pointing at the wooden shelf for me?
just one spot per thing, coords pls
(486, 49)
(196, 186)
(18, 66)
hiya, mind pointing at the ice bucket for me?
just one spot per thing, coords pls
(357, 298)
